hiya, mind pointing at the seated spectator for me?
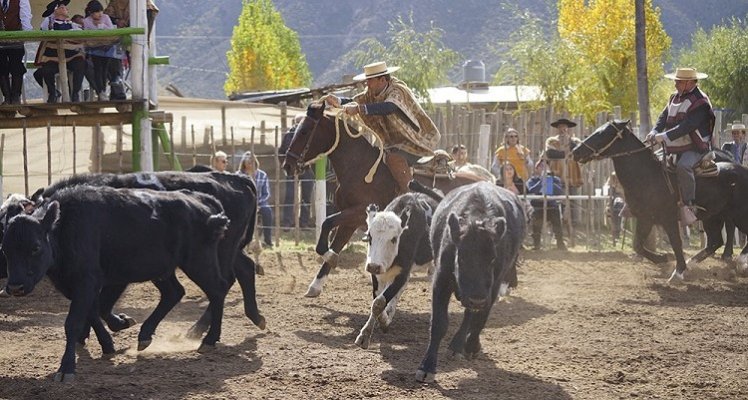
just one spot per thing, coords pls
(106, 59)
(250, 166)
(56, 18)
(78, 19)
(14, 16)
(219, 161)
(306, 180)
(509, 179)
(548, 184)
(513, 152)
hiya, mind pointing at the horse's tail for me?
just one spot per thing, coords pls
(418, 187)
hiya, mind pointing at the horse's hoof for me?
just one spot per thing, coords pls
(675, 274)
(314, 290)
(260, 323)
(4, 293)
(143, 344)
(363, 341)
(425, 377)
(259, 270)
(66, 378)
(206, 348)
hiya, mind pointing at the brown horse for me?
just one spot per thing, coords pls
(352, 159)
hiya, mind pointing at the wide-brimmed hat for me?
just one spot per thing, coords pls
(686, 74)
(737, 127)
(564, 121)
(374, 70)
(52, 6)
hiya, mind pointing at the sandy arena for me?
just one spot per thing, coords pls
(580, 326)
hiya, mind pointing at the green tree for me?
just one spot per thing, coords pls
(601, 35)
(723, 54)
(265, 54)
(423, 57)
(534, 59)
(588, 64)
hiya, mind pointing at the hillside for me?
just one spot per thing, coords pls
(197, 34)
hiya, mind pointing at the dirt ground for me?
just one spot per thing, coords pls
(580, 326)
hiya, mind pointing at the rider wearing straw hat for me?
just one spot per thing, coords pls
(390, 109)
(685, 127)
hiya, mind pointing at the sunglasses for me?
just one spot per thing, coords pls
(512, 136)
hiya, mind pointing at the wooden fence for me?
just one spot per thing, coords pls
(194, 144)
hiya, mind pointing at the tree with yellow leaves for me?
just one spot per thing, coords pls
(601, 37)
(265, 54)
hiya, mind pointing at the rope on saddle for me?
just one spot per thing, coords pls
(341, 116)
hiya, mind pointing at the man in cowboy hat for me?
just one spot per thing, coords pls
(685, 127)
(558, 153)
(737, 147)
(15, 15)
(390, 109)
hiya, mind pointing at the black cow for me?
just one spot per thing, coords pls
(12, 206)
(85, 238)
(238, 196)
(398, 238)
(476, 235)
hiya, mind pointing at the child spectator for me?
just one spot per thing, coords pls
(548, 184)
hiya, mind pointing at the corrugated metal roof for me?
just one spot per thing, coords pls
(494, 94)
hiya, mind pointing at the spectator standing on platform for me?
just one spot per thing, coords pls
(106, 59)
(119, 12)
(513, 152)
(56, 19)
(306, 181)
(545, 182)
(737, 147)
(250, 166)
(219, 161)
(15, 15)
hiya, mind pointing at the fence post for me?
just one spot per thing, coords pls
(484, 148)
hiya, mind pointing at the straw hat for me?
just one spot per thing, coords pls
(686, 74)
(737, 127)
(564, 121)
(374, 70)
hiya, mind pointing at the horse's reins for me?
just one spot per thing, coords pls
(342, 118)
(597, 153)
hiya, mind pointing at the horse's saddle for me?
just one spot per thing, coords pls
(438, 164)
(706, 166)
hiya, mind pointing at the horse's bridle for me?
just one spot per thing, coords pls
(597, 153)
(300, 164)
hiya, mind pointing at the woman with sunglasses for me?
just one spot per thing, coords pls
(513, 152)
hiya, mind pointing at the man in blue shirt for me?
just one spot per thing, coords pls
(545, 183)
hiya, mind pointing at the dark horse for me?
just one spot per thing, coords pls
(352, 159)
(652, 196)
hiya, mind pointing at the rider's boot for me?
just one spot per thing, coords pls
(400, 170)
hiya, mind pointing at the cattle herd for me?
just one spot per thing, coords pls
(92, 235)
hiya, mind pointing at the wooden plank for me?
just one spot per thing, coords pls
(105, 119)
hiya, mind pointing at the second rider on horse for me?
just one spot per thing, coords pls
(390, 109)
